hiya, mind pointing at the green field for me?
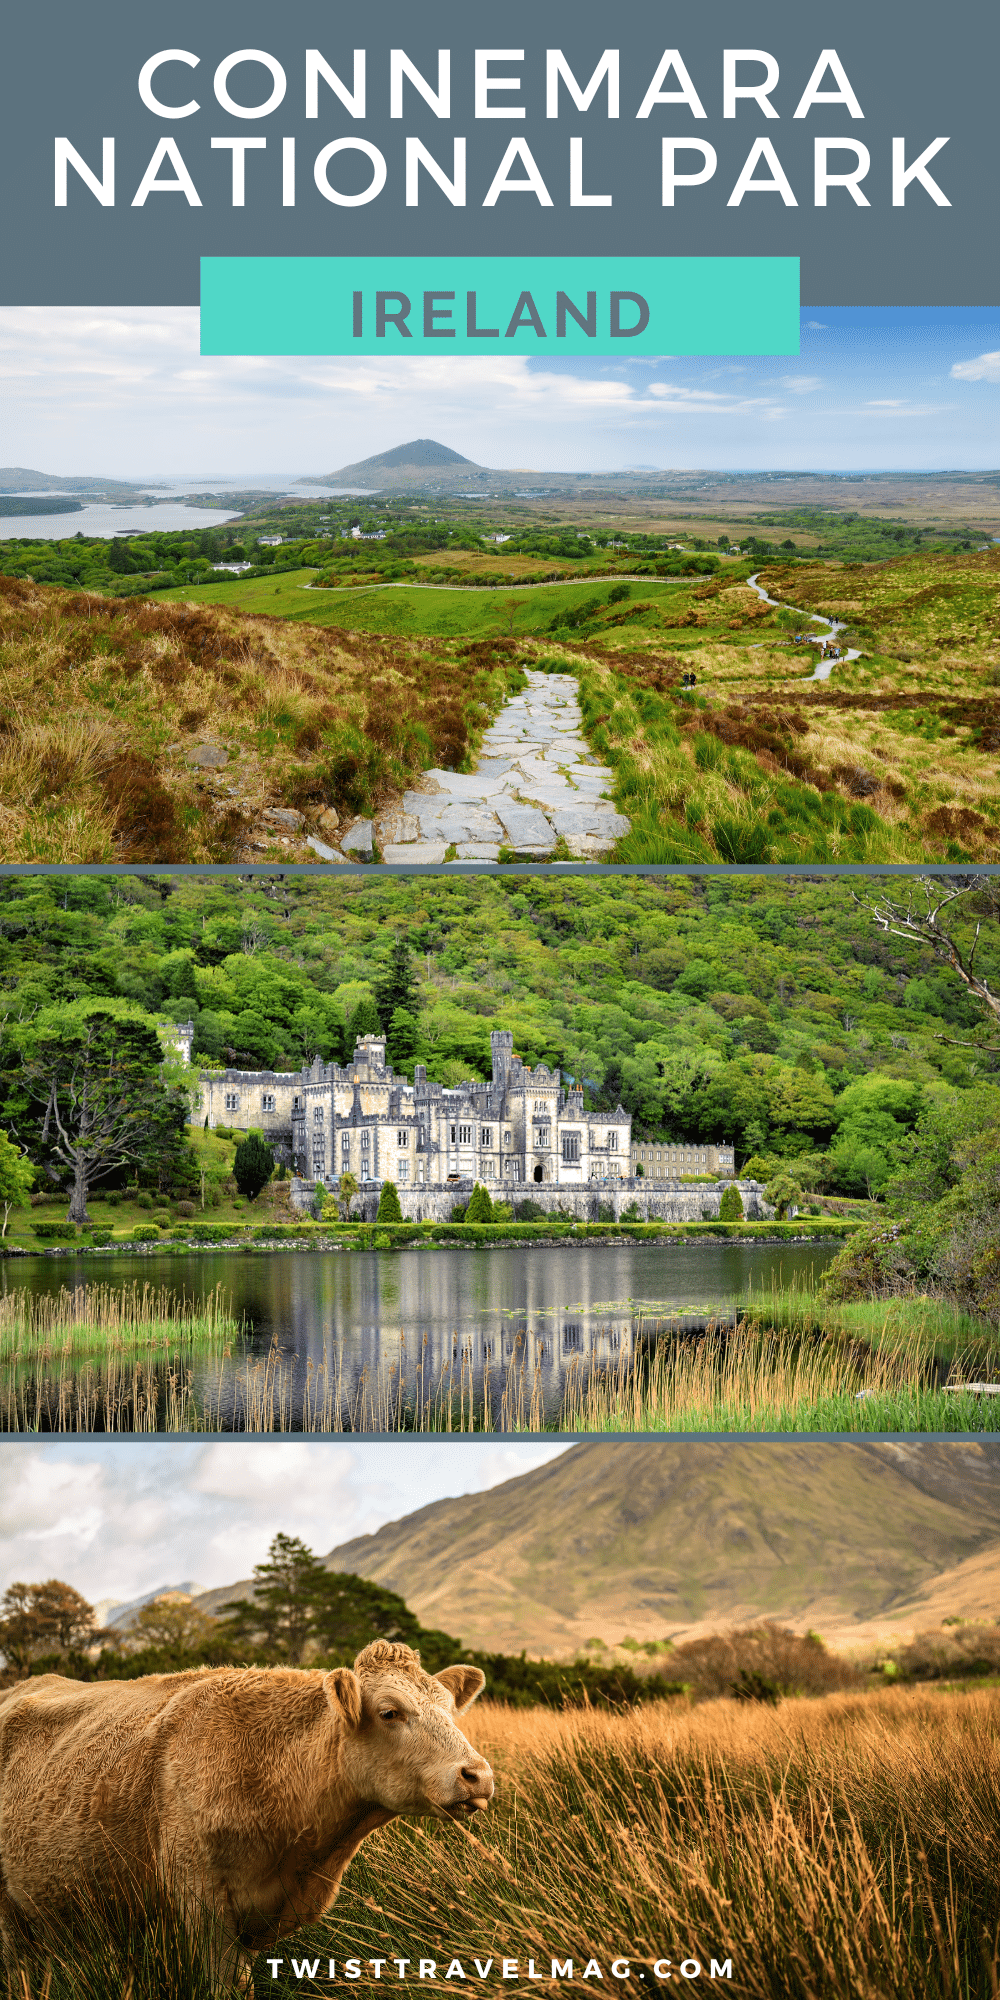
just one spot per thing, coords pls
(453, 611)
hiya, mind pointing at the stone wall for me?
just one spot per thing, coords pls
(663, 1204)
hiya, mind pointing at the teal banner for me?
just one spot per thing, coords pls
(523, 305)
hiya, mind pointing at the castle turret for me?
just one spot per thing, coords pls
(502, 1046)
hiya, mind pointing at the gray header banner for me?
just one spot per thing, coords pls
(817, 136)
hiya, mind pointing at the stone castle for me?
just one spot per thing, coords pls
(523, 1133)
(523, 1128)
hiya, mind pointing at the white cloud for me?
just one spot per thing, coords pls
(126, 392)
(118, 1519)
(816, 326)
(984, 368)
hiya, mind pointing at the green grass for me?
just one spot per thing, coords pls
(794, 1364)
(274, 596)
(463, 611)
(109, 1320)
(917, 1327)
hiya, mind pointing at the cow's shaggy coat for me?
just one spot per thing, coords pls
(242, 1791)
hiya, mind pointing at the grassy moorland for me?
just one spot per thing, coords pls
(136, 730)
(328, 692)
(844, 1844)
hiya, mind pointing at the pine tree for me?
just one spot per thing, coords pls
(480, 1207)
(403, 1038)
(388, 1204)
(395, 987)
(363, 1021)
(253, 1165)
(731, 1205)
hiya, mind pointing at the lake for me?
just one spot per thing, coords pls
(162, 513)
(353, 1339)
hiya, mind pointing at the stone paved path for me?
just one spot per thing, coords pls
(536, 780)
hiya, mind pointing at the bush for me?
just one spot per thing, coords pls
(146, 1232)
(185, 1208)
(480, 1208)
(458, 1211)
(527, 1211)
(100, 1236)
(253, 1165)
(956, 1651)
(761, 1663)
(51, 1232)
(731, 1205)
(632, 1213)
(141, 1199)
(388, 1204)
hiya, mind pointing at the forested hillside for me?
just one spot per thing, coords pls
(769, 1010)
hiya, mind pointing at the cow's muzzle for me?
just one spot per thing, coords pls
(478, 1782)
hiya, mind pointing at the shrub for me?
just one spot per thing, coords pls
(253, 1165)
(961, 1649)
(731, 1205)
(458, 1211)
(605, 1211)
(146, 1232)
(380, 1241)
(632, 1213)
(185, 1208)
(100, 1237)
(527, 1211)
(785, 1193)
(388, 1204)
(761, 1663)
(480, 1208)
(51, 1232)
(142, 1199)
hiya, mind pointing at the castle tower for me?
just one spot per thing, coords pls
(502, 1047)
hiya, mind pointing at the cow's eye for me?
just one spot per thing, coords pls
(389, 1714)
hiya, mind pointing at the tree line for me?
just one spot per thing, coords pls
(298, 1613)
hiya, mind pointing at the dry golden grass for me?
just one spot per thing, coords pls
(104, 704)
(842, 1846)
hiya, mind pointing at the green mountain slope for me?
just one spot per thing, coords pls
(637, 1538)
(645, 1539)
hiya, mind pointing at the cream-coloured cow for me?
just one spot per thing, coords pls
(245, 1791)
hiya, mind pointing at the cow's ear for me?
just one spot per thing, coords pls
(343, 1691)
(463, 1684)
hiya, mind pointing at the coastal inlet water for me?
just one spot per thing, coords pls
(164, 512)
(379, 1340)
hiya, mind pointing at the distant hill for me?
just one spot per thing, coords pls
(422, 462)
(23, 479)
(655, 1538)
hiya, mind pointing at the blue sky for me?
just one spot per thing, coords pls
(117, 1519)
(126, 392)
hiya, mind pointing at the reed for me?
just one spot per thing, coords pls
(109, 1319)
